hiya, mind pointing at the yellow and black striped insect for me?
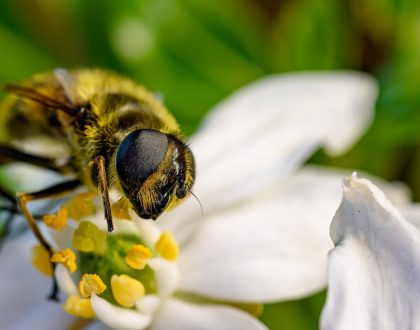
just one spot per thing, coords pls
(111, 132)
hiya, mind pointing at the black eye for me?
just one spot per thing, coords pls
(139, 155)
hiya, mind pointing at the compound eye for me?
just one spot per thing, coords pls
(139, 155)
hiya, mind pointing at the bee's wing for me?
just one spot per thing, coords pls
(68, 82)
(38, 135)
(44, 146)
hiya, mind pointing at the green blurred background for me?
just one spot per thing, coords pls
(196, 52)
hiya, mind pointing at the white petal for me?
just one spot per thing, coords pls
(148, 304)
(98, 218)
(24, 291)
(98, 325)
(374, 270)
(65, 281)
(117, 317)
(282, 237)
(268, 129)
(147, 230)
(44, 315)
(411, 213)
(123, 226)
(271, 249)
(180, 315)
(63, 238)
(167, 275)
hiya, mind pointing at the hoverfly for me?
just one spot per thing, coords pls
(114, 134)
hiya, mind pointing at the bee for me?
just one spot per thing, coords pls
(112, 134)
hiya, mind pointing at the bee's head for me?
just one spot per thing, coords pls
(155, 170)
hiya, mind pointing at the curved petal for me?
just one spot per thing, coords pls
(149, 304)
(147, 230)
(24, 291)
(43, 315)
(272, 249)
(268, 129)
(167, 275)
(181, 315)
(374, 270)
(97, 325)
(117, 317)
(63, 238)
(411, 213)
(65, 281)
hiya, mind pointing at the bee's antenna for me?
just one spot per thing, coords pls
(199, 203)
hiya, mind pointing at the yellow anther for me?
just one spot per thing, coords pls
(167, 247)
(91, 283)
(67, 258)
(119, 210)
(57, 220)
(84, 244)
(79, 307)
(89, 238)
(41, 260)
(126, 290)
(81, 205)
(137, 256)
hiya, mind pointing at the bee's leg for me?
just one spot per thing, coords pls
(50, 192)
(8, 212)
(9, 154)
(103, 185)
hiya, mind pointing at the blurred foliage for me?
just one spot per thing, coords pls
(195, 52)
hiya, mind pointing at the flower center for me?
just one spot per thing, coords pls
(122, 268)
(112, 261)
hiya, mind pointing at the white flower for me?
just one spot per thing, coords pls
(374, 270)
(264, 233)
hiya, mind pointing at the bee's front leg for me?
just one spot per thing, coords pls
(103, 186)
(9, 211)
(50, 192)
(9, 154)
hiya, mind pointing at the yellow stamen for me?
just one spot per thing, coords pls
(41, 260)
(67, 258)
(167, 247)
(119, 210)
(57, 220)
(137, 256)
(81, 205)
(91, 283)
(89, 238)
(126, 290)
(79, 307)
